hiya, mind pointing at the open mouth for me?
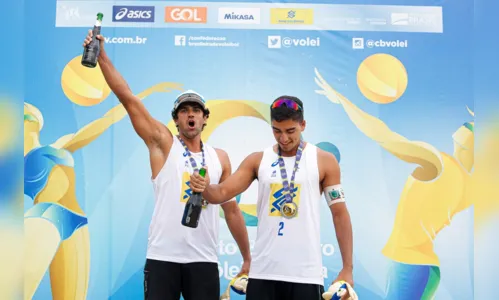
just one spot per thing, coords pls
(191, 124)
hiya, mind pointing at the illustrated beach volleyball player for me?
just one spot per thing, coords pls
(56, 231)
(436, 191)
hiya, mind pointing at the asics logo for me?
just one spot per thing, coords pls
(133, 13)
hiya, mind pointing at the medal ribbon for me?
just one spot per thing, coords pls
(288, 188)
(191, 159)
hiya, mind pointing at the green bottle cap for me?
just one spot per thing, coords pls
(100, 16)
(202, 172)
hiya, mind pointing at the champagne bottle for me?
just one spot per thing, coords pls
(92, 50)
(193, 207)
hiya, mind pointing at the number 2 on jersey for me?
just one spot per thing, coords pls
(281, 227)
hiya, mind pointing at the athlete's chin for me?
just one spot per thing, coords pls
(286, 147)
(192, 132)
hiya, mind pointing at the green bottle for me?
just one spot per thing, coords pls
(92, 50)
(193, 207)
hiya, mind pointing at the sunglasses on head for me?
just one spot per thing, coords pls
(288, 102)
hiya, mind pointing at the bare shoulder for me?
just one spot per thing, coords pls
(251, 164)
(254, 159)
(326, 157)
(222, 155)
(161, 137)
(328, 164)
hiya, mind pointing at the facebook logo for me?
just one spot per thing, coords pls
(180, 40)
(274, 41)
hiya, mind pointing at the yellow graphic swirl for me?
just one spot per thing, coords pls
(437, 190)
(56, 209)
(222, 111)
(420, 153)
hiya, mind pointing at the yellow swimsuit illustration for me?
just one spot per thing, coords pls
(56, 231)
(438, 189)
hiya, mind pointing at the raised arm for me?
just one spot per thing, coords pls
(331, 186)
(236, 183)
(149, 129)
(94, 129)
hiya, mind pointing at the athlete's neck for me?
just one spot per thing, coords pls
(193, 144)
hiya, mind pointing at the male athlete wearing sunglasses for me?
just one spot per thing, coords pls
(287, 259)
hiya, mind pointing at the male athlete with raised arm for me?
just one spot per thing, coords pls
(287, 258)
(180, 260)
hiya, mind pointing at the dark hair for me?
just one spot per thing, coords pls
(283, 112)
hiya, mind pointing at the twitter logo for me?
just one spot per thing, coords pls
(274, 41)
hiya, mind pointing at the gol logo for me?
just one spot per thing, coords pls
(184, 14)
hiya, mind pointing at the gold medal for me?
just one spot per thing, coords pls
(289, 210)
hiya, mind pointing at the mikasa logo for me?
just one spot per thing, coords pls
(228, 15)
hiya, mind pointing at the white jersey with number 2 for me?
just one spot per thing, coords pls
(288, 249)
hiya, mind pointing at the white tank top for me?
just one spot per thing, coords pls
(168, 239)
(288, 249)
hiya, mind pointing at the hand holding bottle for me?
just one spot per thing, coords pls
(93, 44)
(198, 183)
(89, 39)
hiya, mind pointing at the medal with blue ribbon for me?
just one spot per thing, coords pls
(193, 161)
(289, 209)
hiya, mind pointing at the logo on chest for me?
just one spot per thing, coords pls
(186, 191)
(277, 198)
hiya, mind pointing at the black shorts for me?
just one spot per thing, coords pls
(259, 289)
(167, 281)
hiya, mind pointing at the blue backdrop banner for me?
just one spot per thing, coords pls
(386, 89)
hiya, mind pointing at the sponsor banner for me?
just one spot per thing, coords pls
(258, 16)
